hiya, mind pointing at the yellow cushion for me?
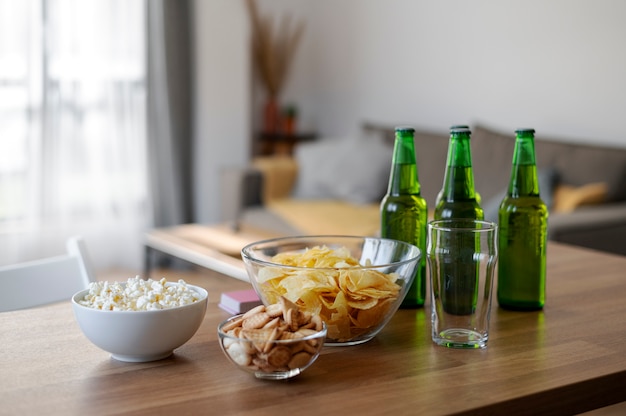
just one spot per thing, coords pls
(567, 198)
(328, 216)
(279, 175)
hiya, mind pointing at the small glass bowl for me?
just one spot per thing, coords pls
(271, 360)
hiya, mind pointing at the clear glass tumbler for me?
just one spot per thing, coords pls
(462, 257)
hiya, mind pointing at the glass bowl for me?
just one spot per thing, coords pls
(355, 284)
(266, 356)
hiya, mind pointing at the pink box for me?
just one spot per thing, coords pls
(239, 301)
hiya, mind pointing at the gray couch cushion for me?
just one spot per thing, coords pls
(601, 227)
(350, 170)
(576, 164)
(431, 151)
(492, 155)
(548, 178)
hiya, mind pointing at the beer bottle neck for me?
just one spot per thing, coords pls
(404, 148)
(524, 180)
(404, 178)
(459, 153)
(459, 175)
(524, 152)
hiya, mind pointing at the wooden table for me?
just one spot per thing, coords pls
(215, 247)
(567, 359)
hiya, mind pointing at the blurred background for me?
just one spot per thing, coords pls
(117, 116)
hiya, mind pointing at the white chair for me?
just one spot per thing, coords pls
(53, 279)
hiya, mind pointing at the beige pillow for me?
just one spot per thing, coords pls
(567, 198)
(279, 176)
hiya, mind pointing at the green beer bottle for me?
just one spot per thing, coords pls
(403, 211)
(523, 220)
(440, 194)
(457, 199)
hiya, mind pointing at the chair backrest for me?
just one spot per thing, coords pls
(53, 279)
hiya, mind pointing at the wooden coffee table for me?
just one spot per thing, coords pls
(216, 247)
(568, 359)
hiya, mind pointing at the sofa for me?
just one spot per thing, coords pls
(334, 185)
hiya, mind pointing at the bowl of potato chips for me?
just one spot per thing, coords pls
(355, 284)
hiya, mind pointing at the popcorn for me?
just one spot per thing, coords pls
(138, 295)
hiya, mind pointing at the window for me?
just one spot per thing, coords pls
(72, 127)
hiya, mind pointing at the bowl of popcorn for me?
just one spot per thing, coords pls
(273, 342)
(140, 320)
(355, 284)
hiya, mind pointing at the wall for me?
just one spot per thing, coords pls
(557, 66)
(221, 98)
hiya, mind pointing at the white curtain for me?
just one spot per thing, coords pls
(73, 129)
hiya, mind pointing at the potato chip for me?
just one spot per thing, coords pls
(331, 283)
(269, 273)
(366, 318)
(366, 303)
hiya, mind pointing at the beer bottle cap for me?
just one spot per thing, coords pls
(460, 130)
(405, 129)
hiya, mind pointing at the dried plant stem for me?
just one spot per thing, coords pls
(273, 52)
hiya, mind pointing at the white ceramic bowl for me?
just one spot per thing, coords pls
(375, 255)
(140, 336)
